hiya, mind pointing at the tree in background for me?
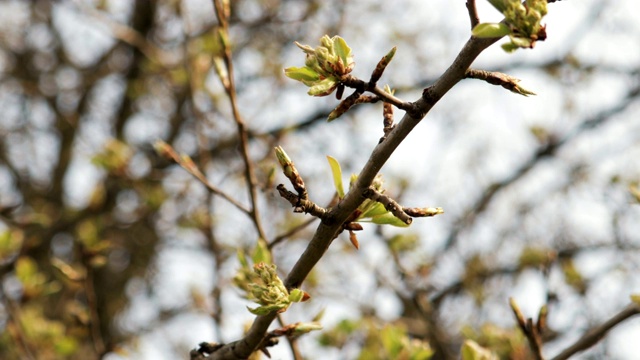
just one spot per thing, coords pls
(115, 244)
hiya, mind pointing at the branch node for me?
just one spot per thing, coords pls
(396, 209)
(301, 205)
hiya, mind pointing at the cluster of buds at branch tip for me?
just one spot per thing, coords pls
(325, 66)
(270, 293)
(522, 23)
(291, 172)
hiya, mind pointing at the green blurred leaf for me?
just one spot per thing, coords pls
(491, 30)
(391, 337)
(509, 47)
(403, 242)
(66, 345)
(25, 268)
(10, 243)
(388, 219)
(261, 253)
(472, 351)
(336, 171)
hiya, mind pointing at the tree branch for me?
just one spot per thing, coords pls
(594, 335)
(333, 222)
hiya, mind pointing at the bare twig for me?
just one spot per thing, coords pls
(243, 134)
(16, 331)
(362, 86)
(278, 239)
(92, 305)
(473, 13)
(545, 151)
(530, 331)
(127, 35)
(594, 335)
(293, 344)
(166, 150)
(497, 78)
(387, 122)
(300, 204)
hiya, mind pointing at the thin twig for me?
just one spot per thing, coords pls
(528, 329)
(497, 78)
(127, 35)
(16, 331)
(473, 13)
(186, 163)
(230, 88)
(289, 233)
(594, 335)
(301, 205)
(293, 344)
(92, 305)
(467, 219)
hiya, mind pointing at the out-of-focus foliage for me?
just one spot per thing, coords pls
(108, 249)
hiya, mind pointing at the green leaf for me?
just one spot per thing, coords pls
(509, 47)
(341, 49)
(304, 74)
(472, 351)
(388, 219)
(490, 30)
(422, 354)
(261, 253)
(296, 295)
(337, 175)
(500, 5)
(391, 337)
(521, 42)
(375, 209)
(323, 87)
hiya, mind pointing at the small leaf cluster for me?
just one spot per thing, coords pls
(369, 210)
(325, 66)
(522, 23)
(262, 284)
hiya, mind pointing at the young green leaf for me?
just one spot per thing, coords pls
(388, 219)
(343, 50)
(323, 87)
(472, 351)
(337, 175)
(372, 209)
(491, 30)
(261, 253)
(303, 74)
